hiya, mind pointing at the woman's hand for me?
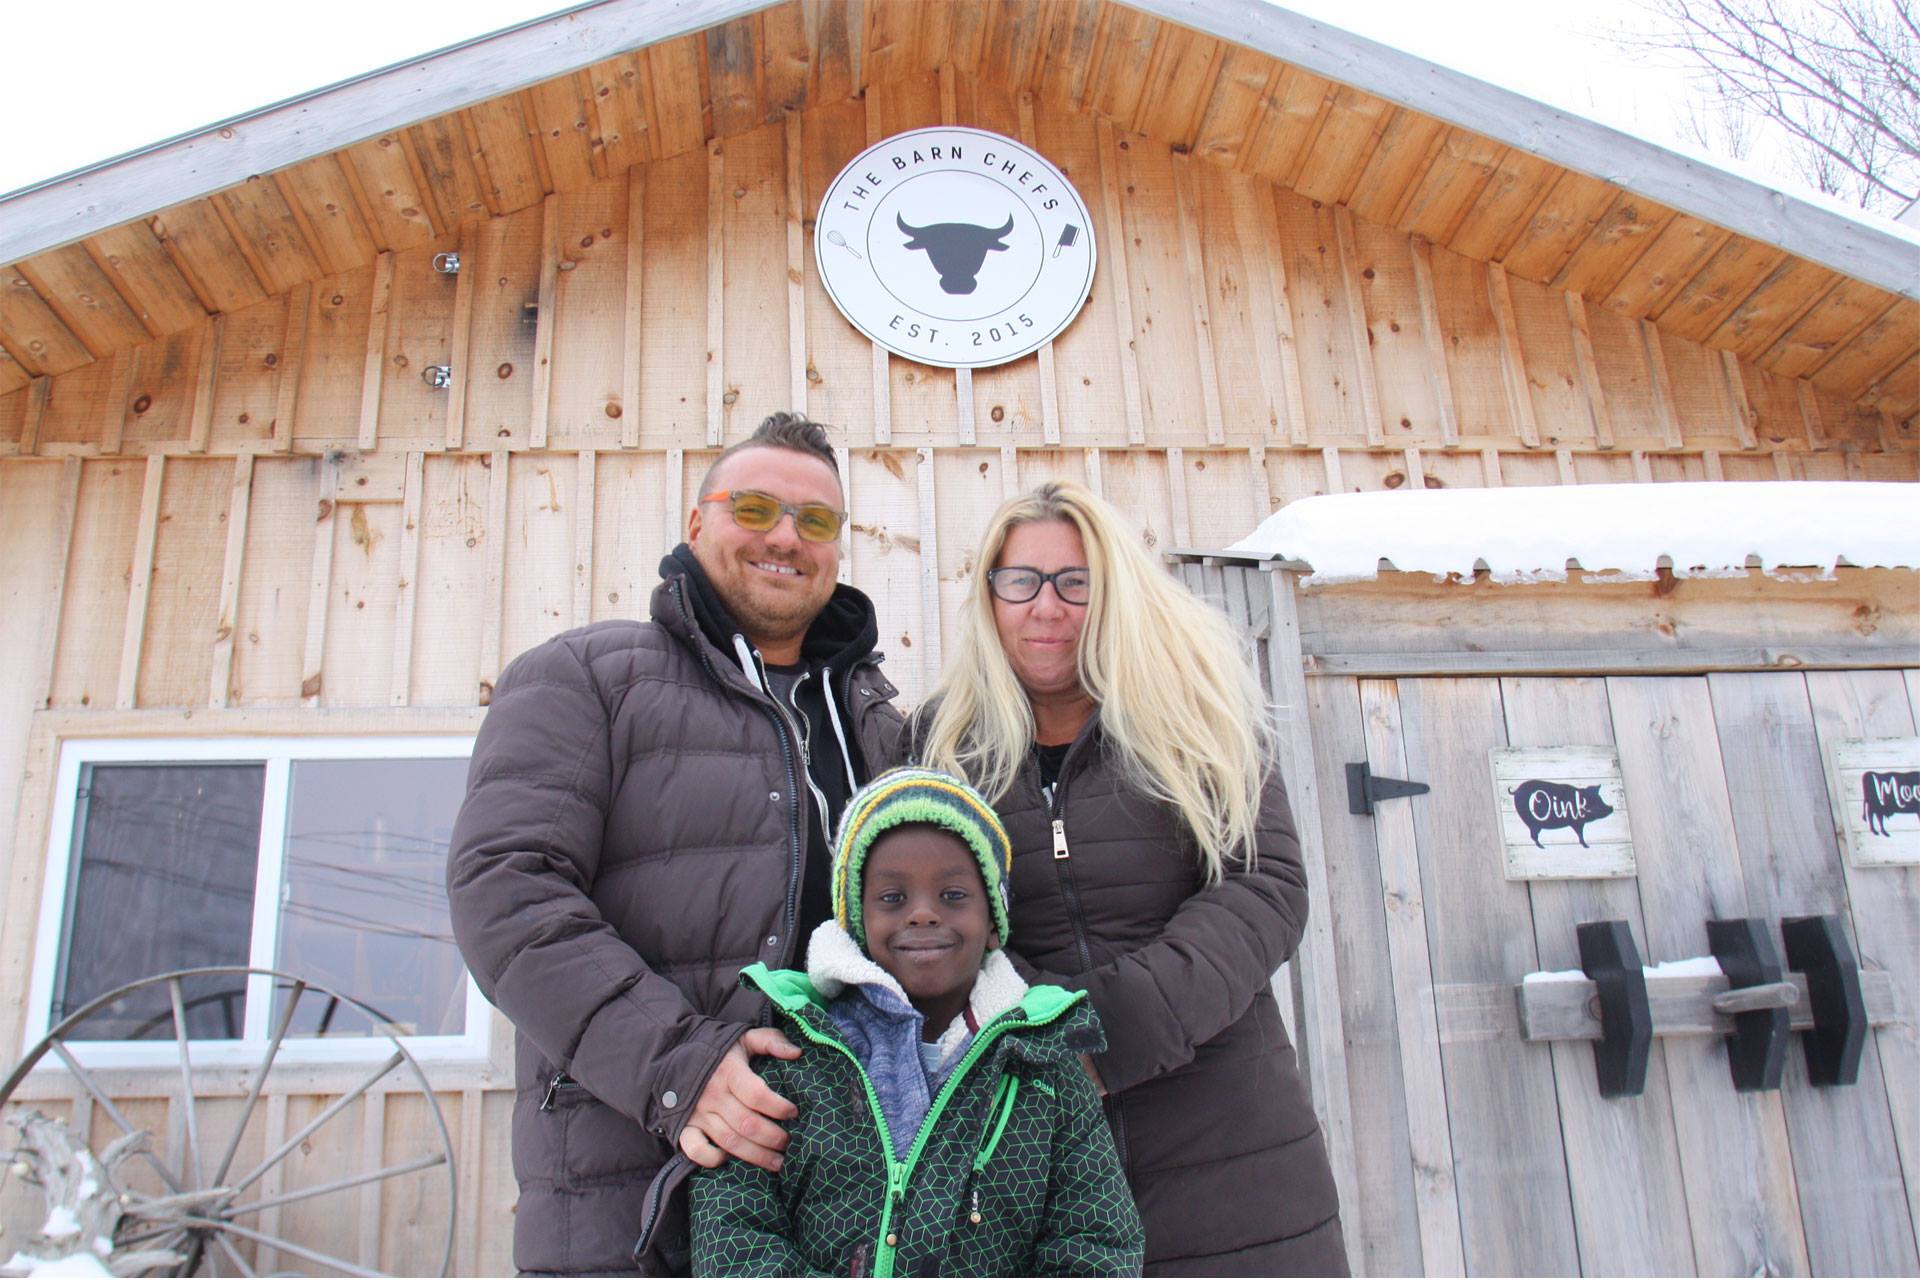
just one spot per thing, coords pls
(1093, 1074)
(736, 1114)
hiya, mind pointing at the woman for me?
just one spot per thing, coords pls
(1117, 725)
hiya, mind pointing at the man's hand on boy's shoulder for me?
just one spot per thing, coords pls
(737, 1114)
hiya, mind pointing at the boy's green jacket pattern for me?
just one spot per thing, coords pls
(1013, 1171)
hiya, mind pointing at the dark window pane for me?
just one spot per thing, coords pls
(364, 906)
(167, 859)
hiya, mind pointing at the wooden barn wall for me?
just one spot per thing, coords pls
(273, 518)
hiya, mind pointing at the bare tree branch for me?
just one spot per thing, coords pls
(1836, 79)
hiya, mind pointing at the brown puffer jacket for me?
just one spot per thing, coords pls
(630, 841)
(1208, 1108)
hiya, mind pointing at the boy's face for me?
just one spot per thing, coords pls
(927, 919)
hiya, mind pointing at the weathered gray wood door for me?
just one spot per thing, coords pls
(1477, 1151)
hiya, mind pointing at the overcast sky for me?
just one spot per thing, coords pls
(91, 80)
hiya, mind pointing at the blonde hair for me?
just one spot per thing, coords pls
(1179, 703)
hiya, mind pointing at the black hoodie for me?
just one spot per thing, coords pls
(842, 634)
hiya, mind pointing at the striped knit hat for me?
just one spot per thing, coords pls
(902, 796)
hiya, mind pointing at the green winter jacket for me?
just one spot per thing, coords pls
(1013, 1171)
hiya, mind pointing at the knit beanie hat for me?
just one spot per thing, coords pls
(902, 796)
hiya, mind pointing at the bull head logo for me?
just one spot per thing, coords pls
(956, 249)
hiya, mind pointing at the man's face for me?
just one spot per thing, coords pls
(924, 906)
(773, 583)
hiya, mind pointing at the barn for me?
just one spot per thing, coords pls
(310, 421)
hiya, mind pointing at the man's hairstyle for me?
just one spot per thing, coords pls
(782, 430)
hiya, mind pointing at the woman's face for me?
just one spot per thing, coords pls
(1041, 638)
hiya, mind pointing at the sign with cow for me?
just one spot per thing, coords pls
(1562, 813)
(955, 247)
(1876, 788)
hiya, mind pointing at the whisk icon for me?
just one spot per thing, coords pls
(834, 237)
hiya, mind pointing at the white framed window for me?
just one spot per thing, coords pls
(322, 857)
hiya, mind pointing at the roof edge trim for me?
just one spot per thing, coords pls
(61, 210)
(1866, 247)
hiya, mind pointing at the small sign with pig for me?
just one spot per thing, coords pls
(1876, 785)
(1562, 813)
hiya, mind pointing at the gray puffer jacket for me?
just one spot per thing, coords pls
(631, 839)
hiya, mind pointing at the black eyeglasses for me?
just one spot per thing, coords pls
(758, 512)
(1017, 584)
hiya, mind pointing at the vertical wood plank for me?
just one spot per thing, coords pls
(141, 586)
(1852, 1200)
(673, 487)
(473, 1193)
(1436, 342)
(963, 405)
(407, 596)
(1782, 465)
(929, 572)
(460, 337)
(1357, 325)
(1208, 371)
(238, 503)
(797, 267)
(38, 392)
(379, 311)
(200, 416)
(1262, 483)
(319, 584)
(1095, 480)
(630, 349)
(1810, 414)
(1664, 405)
(267, 1261)
(1049, 375)
(1885, 901)
(1623, 1163)
(1177, 495)
(65, 520)
(1429, 1128)
(1490, 468)
(541, 408)
(1297, 426)
(373, 1146)
(882, 361)
(293, 360)
(1009, 472)
(583, 504)
(1563, 463)
(1322, 1039)
(1737, 398)
(1642, 468)
(1417, 473)
(1513, 363)
(1599, 417)
(1710, 460)
(716, 293)
(1740, 1197)
(843, 457)
(1330, 460)
(1115, 263)
(113, 418)
(1516, 1215)
(494, 579)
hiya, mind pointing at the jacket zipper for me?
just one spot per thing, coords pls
(900, 1172)
(1063, 866)
(561, 1080)
(1070, 892)
(802, 728)
(794, 846)
(998, 1113)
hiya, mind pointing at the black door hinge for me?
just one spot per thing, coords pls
(1364, 787)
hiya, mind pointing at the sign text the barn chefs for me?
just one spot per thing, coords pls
(955, 247)
(1563, 812)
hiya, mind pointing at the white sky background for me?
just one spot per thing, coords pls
(92, 79)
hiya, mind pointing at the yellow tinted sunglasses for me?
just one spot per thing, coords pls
(758, 512)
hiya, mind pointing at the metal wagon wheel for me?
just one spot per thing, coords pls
(205, 1215)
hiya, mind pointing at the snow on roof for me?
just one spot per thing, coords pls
(1523, 534)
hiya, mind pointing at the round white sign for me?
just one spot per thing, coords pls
(955, 247)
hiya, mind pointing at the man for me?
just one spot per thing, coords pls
(649, 810)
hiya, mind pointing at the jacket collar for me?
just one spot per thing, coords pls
(844, 632)
(836, 962)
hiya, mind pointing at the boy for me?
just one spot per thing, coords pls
(946, 1126)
